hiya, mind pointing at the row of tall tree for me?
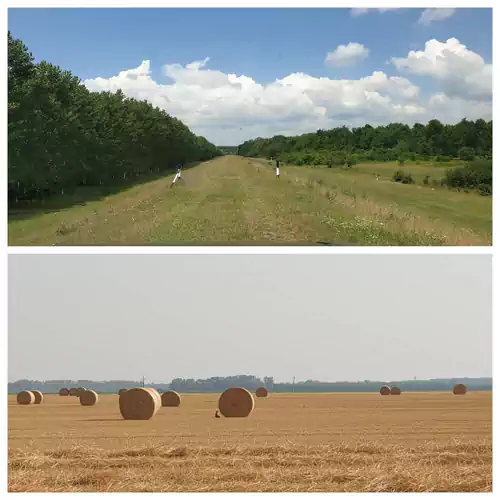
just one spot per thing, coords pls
(396, 141)
(61, 135)
(250, 382)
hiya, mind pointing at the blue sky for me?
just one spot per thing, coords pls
(262, 44)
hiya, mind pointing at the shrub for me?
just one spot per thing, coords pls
(404, 178)
(398, 176)
(318, 160)
(485, 189)
(350, 161)
(408, 179)
(474, 174)
(335, 161)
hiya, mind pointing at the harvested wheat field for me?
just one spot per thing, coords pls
(290, 442)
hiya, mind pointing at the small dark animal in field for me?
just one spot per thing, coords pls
(217, 414)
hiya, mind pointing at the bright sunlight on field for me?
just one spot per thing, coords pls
(291, 442)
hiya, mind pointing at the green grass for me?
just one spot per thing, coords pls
(233, 200)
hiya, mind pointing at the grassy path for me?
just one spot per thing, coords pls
(233, 200)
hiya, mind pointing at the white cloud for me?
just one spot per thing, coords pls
(360, 12)
(430, 15)
(228, 109)
(456, 108)
(462, 72)
(347, 55)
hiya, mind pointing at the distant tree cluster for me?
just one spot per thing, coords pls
(216, 384)
(394, 142)
(250, 382)
(61, 135)
(229, 150)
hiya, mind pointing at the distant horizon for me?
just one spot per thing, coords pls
(260, 378)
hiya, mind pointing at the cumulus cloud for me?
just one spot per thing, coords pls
(430, 15)
(360, 12)
(229, 108)
(462, 72)
(347, 55)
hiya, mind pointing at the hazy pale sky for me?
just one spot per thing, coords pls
(326, 317)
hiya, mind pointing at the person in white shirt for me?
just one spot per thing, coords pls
(178, 175)
(277, 169)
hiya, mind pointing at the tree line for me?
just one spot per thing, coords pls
(250, 382)
(61, 135)
(229, 150)
(435, 141)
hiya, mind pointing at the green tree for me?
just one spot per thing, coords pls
(383, 143)
(466, 154)
(62, 136)
(350, 161)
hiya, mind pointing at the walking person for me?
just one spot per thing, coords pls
(178, 175)
(277, 169)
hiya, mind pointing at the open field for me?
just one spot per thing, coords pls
(234, 200)
(419, 170)
(291, 442)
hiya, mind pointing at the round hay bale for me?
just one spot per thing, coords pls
(385, 390)
(121, 391)
(170, 398)
(140, 403)
(25, 398)
(63, 391)
(73, 391)
(38, 397)
(156, 394)
(80, 390)
(460, 389)
(236, 402)
(395, 391)
(154, 390)
(261, 392)
(88, 398)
